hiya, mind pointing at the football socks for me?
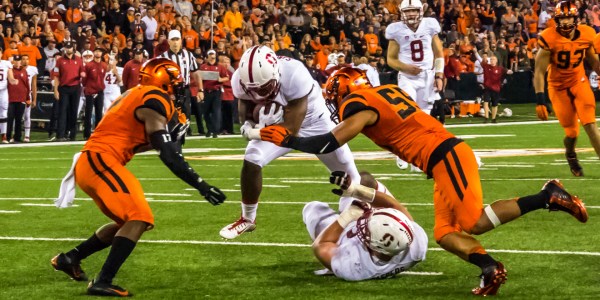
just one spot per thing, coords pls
(120, 250)
(533, 202)
(87, 248)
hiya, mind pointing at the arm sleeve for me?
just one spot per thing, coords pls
(173, 159)
(318, 144)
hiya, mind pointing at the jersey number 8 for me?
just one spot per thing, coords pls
(416, 50)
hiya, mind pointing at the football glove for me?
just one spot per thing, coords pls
(352, 213)
(178, 131)
(270, 117)
(251, 131)
(542, 112)
(341, 179)
(211, 193)
(277, 135)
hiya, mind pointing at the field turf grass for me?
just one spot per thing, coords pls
(548, 255)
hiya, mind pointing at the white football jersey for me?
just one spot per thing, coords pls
(31, 71)
(352, 261)
(4, 66)
(415, 46)
(296, 82)
(110, 82)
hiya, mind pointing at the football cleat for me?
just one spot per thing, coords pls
(236, 228)
(560, 199)
(573, 162)
(26, 140)
(490, 282)
(62, 262)
(106, 289)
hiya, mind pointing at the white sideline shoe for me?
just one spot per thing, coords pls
(236, 228)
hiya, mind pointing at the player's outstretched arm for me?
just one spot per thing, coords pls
(324, 143)
(155, 125)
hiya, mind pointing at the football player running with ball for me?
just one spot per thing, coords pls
(135, 122)
(263, 77)
(391, 119)
(376, 238)
(562, 50)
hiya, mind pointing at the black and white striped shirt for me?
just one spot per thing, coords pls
(185, 60)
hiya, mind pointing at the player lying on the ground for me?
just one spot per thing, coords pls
(365, 241)
(389, 117)
(135, 122)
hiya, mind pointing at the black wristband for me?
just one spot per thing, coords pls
(161, 141)
(540, 98)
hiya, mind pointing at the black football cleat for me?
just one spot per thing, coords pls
(560, 199)
(491, 281)
(574, 165)
(62, 262)
(106, 289)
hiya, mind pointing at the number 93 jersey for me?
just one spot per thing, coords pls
(401, 128)
(566, 63)
(415, 46)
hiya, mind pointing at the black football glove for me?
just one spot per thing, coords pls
(341, 179)
(178, 131)
(211, 193)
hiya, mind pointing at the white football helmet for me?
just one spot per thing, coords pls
(332, 59)
(385, 230)
(259, 73)
(87, 56)
(413, 18)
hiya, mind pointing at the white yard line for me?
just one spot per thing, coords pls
(9, 211)
(288, 245)
(168, 195)
(43, 204)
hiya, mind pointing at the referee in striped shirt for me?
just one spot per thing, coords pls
(187, 63)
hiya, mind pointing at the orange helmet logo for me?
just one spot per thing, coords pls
(565, 9)
(342, 83)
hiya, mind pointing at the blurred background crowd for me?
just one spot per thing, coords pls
(321, 33)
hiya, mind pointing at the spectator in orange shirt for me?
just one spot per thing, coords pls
(119, 36)
(60, 32)
(233, 17)
(531, 23)
(30, 50)
(372, 41)
(315, 44)
(11, 50)
(191, 40)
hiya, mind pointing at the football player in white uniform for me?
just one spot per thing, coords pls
(32, 73)
(416, 51)
(363, 243)
(113, 82)
(261, 77)
(4, 66)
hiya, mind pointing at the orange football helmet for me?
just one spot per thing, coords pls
(342, 83)
(164, 74)
(565, 9)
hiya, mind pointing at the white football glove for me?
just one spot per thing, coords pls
(271, 117)
(352, 213)
(250, 131)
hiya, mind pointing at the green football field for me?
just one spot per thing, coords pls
(547, 255)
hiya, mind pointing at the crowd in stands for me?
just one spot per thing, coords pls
(307, 30)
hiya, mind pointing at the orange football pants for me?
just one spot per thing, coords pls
(576, 102)
(457, 195)
(115, 190)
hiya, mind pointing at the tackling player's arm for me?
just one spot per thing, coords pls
(155, 126)
(438, 63)
(324, 143)
(542, 60)
(396, 64)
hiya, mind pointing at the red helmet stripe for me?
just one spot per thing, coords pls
(399, 221)
(250, 64)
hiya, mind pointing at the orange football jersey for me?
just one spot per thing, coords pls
(566, 63)
(402, 128)
(120, 133)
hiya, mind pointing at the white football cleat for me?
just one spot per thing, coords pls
(402, 165)
(236, 228)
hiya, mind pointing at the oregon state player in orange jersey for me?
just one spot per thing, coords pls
(391, 119)
(562, 51)
(135, 122)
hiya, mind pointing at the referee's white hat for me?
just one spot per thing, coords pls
(174, 34)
